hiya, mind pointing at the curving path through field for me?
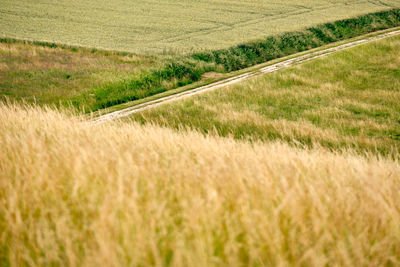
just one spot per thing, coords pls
(236, 79)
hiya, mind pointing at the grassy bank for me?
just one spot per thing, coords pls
(51, 74)
(129, 195)
(349, 99)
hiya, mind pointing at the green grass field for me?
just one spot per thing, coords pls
(171, 26)
(349, 99)
(55, 75)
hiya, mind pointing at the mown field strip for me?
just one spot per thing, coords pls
(236, 79)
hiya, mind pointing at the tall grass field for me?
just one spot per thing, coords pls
(77, 194)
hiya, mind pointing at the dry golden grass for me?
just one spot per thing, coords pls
(129, 195)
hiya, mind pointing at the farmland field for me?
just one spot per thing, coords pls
(349, 99)
(169, 26)
(299, 167)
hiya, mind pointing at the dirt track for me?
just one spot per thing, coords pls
(271, 68)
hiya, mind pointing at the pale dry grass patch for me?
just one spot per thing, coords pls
(3, 66)
(363, 124)
(73, 193)
(301, 131)
(303, 128)
(285, 127)
(246, 116)
(23, 57)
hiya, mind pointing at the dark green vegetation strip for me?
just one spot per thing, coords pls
(190, 69)
(349, 99)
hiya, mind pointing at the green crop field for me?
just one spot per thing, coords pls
(349, 99)
(172, 26)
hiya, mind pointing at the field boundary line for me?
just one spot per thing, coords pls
(240, 77)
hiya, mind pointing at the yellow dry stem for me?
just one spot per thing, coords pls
(120, 194)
